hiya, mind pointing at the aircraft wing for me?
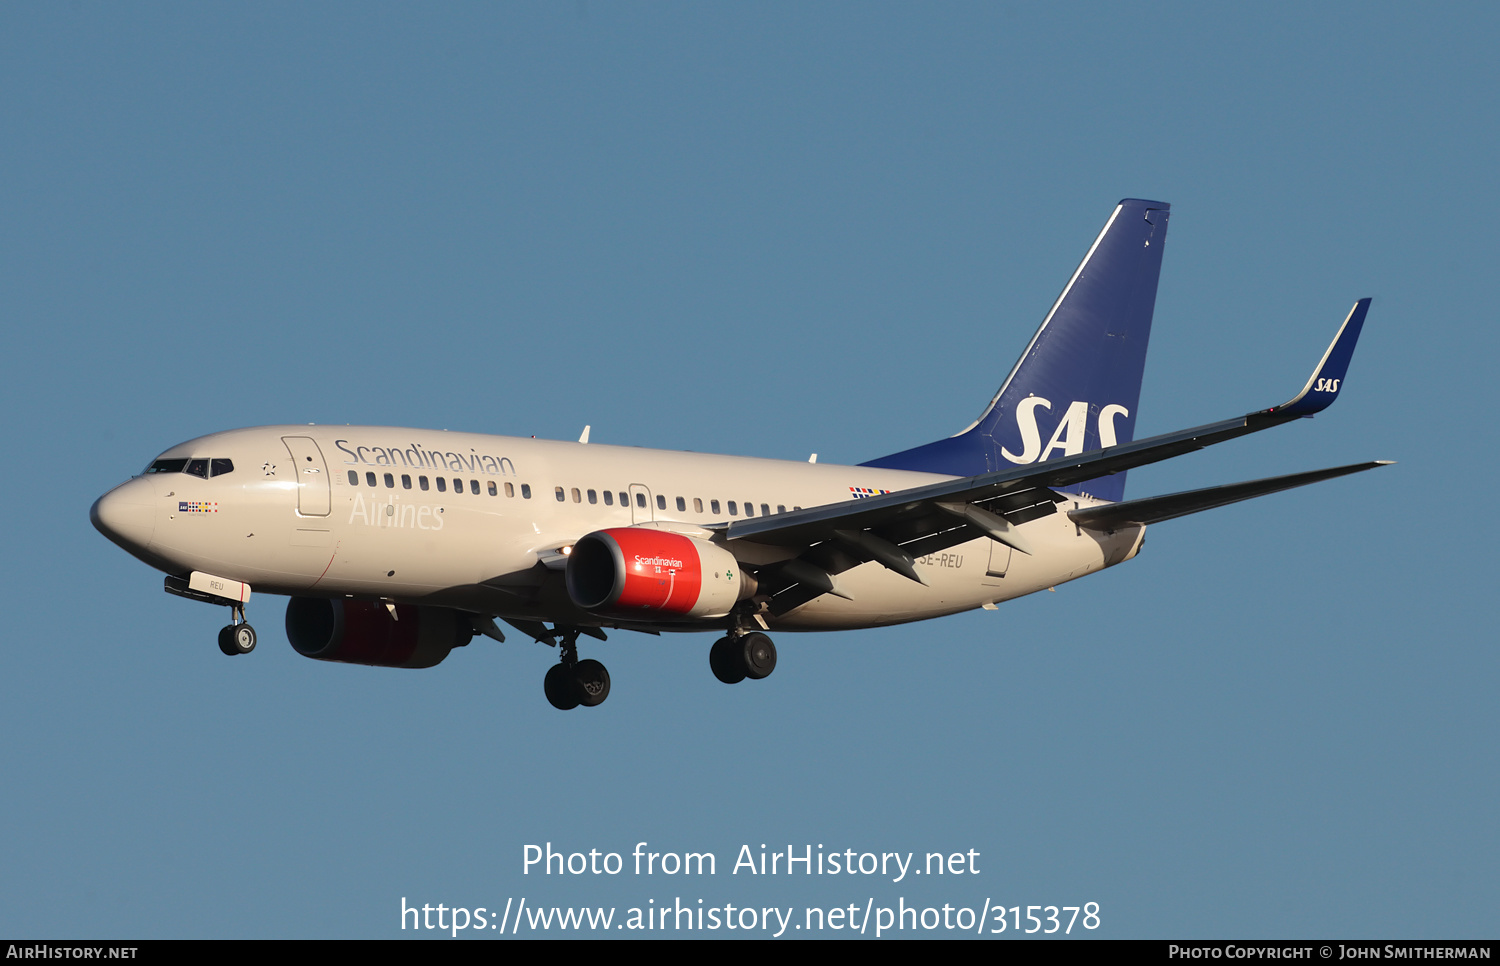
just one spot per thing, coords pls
(895, 528)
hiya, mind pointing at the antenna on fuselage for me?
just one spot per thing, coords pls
(585, 437)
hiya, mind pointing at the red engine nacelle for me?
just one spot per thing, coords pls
(363, 632)
(641, 572)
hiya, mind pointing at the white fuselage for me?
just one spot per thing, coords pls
(357, 511)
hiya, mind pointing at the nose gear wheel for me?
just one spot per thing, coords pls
(237, 637)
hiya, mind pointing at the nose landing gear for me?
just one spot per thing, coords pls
(237, 637)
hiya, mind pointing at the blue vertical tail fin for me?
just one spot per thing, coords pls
(1077, 385)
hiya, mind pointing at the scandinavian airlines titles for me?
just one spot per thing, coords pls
(417, 457)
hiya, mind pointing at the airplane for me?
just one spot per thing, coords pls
(397, 546)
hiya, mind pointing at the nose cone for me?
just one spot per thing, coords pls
(126, 515)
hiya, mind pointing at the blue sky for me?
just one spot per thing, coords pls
(806, 227)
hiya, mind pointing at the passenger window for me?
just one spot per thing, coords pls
(390, 482)
(576, 497)
(681, 505)
(353, 478)
(697, 505)
(370, 479)
(661, 502)
(765, 510)
(713, 506)
(749, 509)
(625, 499)
(733, 510)
(405, 481)
(494, 491)
(422, 483)
(220, 467)
(640, 500)
(442, 484)
(198, 468)
(474, 487)
(593, 496)
(510, 490)
(561, 496)
(525, 491)
(458, 486)
(609, 498)
(780, 508)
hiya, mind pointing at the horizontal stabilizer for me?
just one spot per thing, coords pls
(1155, 509)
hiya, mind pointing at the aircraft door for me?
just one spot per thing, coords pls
(313, 497)
(641, 510)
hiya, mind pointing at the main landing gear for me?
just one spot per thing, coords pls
(572, 682)
(237, 637)
(740, 656)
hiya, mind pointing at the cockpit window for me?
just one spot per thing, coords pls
(202, 469)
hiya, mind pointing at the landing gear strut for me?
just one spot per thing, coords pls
(237, 637)
(572, 682)
(740, 656)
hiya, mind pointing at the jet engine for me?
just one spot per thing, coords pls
(645, 573)
(365, 632)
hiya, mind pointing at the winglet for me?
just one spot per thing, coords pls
(1323, 386)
